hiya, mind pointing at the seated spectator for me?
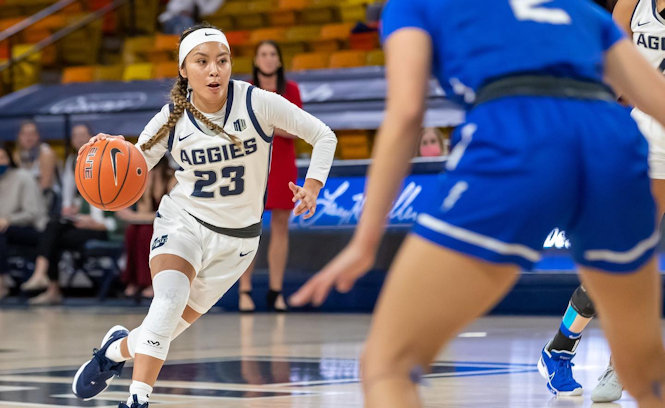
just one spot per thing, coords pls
(182, 14)
(431, 143)
(22, 211)
(79, 222)
(38, 158)
(136, 276)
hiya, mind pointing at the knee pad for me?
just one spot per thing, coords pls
(582, 303)
(171, 294)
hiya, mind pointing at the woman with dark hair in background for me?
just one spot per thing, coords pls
(268, 74)
(22, 211)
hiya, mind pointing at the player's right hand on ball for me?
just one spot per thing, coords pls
(100, 136)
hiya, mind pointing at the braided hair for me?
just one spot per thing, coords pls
(180, 103)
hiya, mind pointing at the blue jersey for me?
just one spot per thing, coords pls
(480, 40)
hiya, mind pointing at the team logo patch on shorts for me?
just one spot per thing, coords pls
(159, 241)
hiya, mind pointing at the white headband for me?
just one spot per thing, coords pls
(198, 37)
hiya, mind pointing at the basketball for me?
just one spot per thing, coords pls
(111, 174)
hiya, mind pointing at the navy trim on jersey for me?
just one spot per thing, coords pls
(265, 192)
(634, 10)
(654, 8)
(172, 131)
(252, 117)
(229, 102)
(193, 120)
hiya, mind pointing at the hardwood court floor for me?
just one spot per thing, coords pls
(278, 361)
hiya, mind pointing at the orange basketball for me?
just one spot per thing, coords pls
(111, 174)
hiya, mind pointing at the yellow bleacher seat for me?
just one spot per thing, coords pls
(137, 72)
(136, 49)
(312, 60)
(376, 57)
(238, 38)
(52, 22)
(338, 31)
(108, 72)
(287, 11)
(277, 34)
(78, 74)
(353, 144)
(348, 59)
(304, 33)
(320, 12)
(164, 70)
(333, 37)
(242, 65)
(352, 13)
(166, 42)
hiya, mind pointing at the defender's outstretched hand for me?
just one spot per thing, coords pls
(342, 272)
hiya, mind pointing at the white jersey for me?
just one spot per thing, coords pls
(648, 29)
(221, 184)
(649, 32)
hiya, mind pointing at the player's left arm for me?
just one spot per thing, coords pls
(408, 62)
(279, 113)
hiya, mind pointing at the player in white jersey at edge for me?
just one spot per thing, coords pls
(644, 21)
(207, 228)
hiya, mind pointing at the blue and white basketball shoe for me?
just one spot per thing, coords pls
(556, 367)
(96, 374)
(135, 403)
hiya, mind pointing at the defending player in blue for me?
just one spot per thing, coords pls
(531, 74)
(644, 21)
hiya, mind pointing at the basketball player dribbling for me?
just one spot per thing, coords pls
(206, 230)
(644, 21)
(530, 73)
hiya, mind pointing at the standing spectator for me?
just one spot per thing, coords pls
(268, 74)
(79, 222)
(138, 234)
(182, 14)
(22, 211)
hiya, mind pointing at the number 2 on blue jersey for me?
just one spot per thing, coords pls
(207, 178)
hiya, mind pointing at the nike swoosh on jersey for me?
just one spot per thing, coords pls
(642, 24)
(180, 139)
(246, 253)
(114, 153)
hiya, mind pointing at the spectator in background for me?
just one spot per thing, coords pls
(140, 216)
(80, 135)
(22, 211)
(182, 14)
(79, 222)
(268, 74)
(431, 143)
(38, 158)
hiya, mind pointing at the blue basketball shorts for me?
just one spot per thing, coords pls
(521, 166)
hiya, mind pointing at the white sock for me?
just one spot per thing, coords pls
(141, 390)
(114, 353)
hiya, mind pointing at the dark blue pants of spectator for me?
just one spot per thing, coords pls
(16, 237)
(61, 236)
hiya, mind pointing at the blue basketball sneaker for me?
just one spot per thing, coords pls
(96, 375)
(556, 367)
(135, 403)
